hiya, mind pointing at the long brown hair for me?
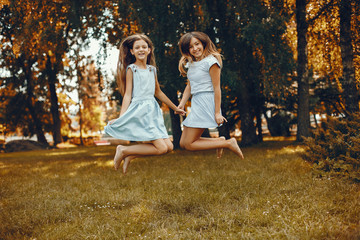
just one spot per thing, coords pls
(184, 45)
(126, 58)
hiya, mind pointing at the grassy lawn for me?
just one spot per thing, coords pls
(76, 194)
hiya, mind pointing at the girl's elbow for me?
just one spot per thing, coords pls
(157, 93)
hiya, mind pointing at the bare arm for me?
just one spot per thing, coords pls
(163, 98)
(128, 92)
(215, 78)
(186, 96)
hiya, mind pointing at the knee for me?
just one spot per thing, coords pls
(187, 146)
(162, 149)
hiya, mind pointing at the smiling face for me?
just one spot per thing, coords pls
(140, 50)
(196, 49)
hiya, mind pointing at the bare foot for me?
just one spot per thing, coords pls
(235, 148)
(119, 156)
(126, 164)
(220, 151)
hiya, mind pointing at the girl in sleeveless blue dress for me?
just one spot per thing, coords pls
(203, 63)
(140, 117)
(143, 120)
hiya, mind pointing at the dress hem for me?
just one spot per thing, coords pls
(137, 139)
(202, 126)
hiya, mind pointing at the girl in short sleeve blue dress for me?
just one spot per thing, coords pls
(202, 113)
(203, 63)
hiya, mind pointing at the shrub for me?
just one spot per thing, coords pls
(335, 148)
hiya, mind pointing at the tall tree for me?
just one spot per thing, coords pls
(257, 59)
(20, 59)
(41, 33)
(351, 90)
(303, 113)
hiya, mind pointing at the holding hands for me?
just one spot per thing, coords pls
(180, 111)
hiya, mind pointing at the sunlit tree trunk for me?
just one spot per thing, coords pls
(303, 111)
(80, 124)
(350, 93)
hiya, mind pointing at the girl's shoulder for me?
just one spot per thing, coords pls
(210, 60)
(131, 66)
(151, 68)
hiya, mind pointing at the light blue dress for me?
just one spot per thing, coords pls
(202, 114)
(143, 120)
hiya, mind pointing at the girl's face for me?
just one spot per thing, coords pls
(140, 50)
(196, 48)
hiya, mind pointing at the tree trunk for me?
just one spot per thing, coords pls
(224, 130)
(38, 125)
(176, 129)
(303, 112)
(175, 124)
(54, 108)
(248, 129)
(259, 126)
(80, 124)
(30, 101)
(350, 91)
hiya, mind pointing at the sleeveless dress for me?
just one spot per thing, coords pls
(143, 120)
(202, 114)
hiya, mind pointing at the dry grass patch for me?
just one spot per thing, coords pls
(76, 194)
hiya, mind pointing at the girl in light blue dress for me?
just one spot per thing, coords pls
(203, 63)
(140, 116)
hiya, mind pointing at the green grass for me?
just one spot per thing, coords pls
(76, 194)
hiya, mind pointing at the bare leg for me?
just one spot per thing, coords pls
(220, 151)
(119, 156)
(156, 147)
(128, 159)
(126, 163)
(191, 140)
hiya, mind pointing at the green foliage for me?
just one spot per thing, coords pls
(335, 149)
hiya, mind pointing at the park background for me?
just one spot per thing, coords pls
(290, 92)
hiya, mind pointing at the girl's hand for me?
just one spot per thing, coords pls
(181, 106)
(220, 119)
(180, 111)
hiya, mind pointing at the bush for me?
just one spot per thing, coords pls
(24, 145)
(335, 148)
